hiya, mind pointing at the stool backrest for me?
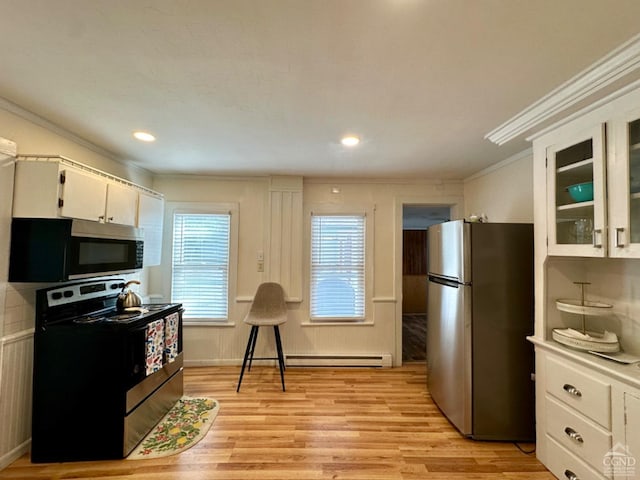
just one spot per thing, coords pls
(268, 305)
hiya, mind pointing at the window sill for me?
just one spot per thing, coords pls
(208, 323)
(250, 299)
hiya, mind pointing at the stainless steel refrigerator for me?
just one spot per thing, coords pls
(479, 313)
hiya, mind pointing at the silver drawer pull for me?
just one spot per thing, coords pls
(571, 390)
(570, 475)
(573, 435)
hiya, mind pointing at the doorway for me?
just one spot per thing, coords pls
(415, 221)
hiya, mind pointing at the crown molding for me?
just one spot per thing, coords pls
(620, 62)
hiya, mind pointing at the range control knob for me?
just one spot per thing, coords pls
(68, 293)
(56, 295)
(115, 285)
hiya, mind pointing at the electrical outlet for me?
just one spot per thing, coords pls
(260, 266)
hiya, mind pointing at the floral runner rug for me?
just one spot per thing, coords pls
(182, 427)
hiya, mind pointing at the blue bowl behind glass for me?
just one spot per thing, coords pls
(581, 192)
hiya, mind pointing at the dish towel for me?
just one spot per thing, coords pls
(171, 324)
(155, 346)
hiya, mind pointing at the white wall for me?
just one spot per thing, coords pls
(504, 192)
(378, 334)
(17, 300)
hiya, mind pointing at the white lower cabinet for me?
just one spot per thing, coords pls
(577, 433)
(567, 466)
(588, 424)
(631, 458)
(579, 390)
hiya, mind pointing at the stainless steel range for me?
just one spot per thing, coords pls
(102, 378)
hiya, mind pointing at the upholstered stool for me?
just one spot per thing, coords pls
(267, 309)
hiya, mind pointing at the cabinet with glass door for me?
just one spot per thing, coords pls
(624, 186)
(576, 195)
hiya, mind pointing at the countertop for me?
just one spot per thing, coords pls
(629, 374)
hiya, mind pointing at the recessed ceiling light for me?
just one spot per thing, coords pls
(350, 141)
(144, 136)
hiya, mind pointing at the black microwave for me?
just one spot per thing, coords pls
(57, 250)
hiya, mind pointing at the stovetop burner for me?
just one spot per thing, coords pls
(123, 317)
(91, 302)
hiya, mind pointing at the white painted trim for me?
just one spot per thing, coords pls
(590, 108)
(213, 362)
(497, 166)
(340, 181)
(15, 337)
(613, 66)
(211, 323)
(333, 323)
(14, 454)
(456, 205)
(249, 299)
(338, 360)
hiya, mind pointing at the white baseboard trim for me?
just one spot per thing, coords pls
(306, 360)
(340, 360)
(11, 456)
(210, 362)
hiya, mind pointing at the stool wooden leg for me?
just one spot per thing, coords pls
(280, 354)
(250, 343)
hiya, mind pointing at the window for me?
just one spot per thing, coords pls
(200, 264)
(337, 266)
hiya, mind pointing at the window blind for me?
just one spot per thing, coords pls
(337, 266)
(200, 273)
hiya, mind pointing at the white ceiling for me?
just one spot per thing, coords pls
(269, 86)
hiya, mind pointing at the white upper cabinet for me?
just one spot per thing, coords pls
(121, 205)
(624, 186)
(576, 194)
(57, 187)
(150, 219)
(593, 182)
(81, 195)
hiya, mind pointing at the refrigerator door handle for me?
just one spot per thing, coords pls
(446, 281)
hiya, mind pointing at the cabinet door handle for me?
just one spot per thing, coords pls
(110, 219)
(101, 218)
(573, 435)
(571, 390)
(596, 232)
(570, 475)
(619, 230)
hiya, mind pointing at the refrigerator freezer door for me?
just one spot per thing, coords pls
(449, 351)
(448, 248)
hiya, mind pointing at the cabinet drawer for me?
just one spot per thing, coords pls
(566, 466)
(577, 434)
(585, 393)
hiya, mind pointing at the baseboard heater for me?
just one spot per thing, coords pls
(316, 360)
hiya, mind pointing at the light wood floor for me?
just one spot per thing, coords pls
(363, 424)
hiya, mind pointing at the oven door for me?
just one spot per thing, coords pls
(146, 353)
(144, 372)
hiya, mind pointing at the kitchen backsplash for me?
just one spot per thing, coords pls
(18, 307)
(612, 281)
